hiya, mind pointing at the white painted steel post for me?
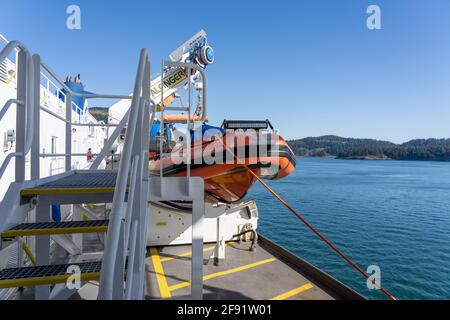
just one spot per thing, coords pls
(161, 131)
(219, 249)
(113, 247)
(68, 162)
(131, 262)
(198, 210)
(130, 201)
(22, 61)
(188, 140)
(35, 159)
(118, 286)
(143, 201)
(42, 251)
(196, 195)
(134, 213)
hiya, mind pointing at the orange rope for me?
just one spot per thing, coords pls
(331, 245)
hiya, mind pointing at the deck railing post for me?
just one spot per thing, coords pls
(198, 211)
(109, 280)
(22, 62)
(35, 158)
(68, 162)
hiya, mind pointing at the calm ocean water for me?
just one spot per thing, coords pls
(394, 214)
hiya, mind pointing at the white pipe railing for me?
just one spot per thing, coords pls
(112, 267)
(189, 66)
(132, 259)
(130, 200)
(7, 105)
(25, 97)
(137, 128)
(67, 95)
(126, 233)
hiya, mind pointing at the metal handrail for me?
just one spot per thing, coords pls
(110, 142)
(113, 137)
(7, 105)
(27, 125)
(68, 94)
(110, 267)
(133, 177)
(188, 67)
(123, 232)
(204, 80)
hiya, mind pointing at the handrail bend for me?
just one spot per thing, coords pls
(28, 104)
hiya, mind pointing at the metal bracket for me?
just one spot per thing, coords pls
(175, 189)
(34, 202)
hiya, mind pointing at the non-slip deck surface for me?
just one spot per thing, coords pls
(48, 274)
(41, 228)
(242, 275)
(79, 181)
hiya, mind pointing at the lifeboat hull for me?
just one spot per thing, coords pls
(227, 177)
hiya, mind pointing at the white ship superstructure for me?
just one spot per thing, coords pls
(52, 135)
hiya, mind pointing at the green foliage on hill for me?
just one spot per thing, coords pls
(101, 114)
(349, 148)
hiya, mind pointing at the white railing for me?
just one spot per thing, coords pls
(133, 160)
(25, 107)
(29, 91)
(55, 100)
(128, 219)
(188, 67)
(63, 91)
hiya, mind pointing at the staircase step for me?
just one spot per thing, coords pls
(78, 182)
(48, 228)
(47, 275)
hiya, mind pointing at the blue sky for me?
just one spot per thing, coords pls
(311, 67)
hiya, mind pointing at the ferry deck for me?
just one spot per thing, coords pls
(268, 272)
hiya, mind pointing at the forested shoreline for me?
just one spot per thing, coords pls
(370, 149)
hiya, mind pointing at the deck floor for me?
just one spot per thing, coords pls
(261, 274)
(243, 275)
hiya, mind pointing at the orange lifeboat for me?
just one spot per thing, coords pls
(223, 159)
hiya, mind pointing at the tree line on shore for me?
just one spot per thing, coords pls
(351, 148)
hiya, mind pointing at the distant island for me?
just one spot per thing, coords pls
(370, 149)
(100, 114)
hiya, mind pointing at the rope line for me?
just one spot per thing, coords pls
(314, 230)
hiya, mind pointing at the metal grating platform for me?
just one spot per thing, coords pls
(49, 274)
(46, 228)
(78, 182)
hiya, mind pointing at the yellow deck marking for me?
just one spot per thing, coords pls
(160, 276)
(222, 273)
(189, 253)
(38, 281)
(293, 292)
(40, 232)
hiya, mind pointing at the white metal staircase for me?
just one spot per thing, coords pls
(25, 209)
